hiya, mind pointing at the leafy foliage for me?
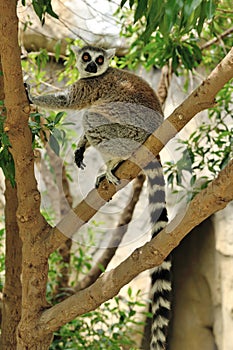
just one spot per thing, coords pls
(35, 65)
(49, 126)
(52, 123)
(165, 15)
(41, 7)
(109, 328)
(208, 149)
(163, 31)
(173, 32)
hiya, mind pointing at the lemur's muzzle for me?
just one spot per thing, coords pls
(91, 67)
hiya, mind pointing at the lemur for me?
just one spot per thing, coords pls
(121, 111)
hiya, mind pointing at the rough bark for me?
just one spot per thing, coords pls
(32, 226)
(2, 95)
(214, 198)
(12, 294)
(64, 204)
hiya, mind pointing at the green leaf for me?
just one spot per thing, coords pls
(57, 50)
(202, 17)
(140, 9)
(54, 144)
(189, 7)
(7, 165)
(5, 140)
(50, 11)
(41, 7)
(58, 117)
(123, 2)
(131, 2)
(59, 134)
(193, 180)
(224, 161)
(38, 9)
(170, 179)
(210, 8)
(186, 57)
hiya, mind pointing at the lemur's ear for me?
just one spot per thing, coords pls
(75, 49)
(110, 53)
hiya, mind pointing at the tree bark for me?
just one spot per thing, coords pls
(32, 225)
(12, 291)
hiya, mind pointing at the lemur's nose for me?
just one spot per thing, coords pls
(91, 67)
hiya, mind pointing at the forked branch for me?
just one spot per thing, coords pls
(212, 199)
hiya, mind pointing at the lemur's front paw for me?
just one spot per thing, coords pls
(27, 90)
(78, 157)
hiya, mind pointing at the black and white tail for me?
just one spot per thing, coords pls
(161, 275)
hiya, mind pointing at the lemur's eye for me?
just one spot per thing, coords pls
(100, 60)
(86, 57)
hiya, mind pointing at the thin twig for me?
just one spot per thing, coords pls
(218, 38)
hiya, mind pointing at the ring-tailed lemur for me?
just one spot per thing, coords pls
(122, 110)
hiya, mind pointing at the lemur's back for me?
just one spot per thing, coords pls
(116, 85)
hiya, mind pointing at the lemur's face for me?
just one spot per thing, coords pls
(92, 61)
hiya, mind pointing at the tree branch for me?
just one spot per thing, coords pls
(218, 38)
(200, 99)
(214, 198)
(116, 239)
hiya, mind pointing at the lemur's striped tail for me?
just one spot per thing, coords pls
(161, 275)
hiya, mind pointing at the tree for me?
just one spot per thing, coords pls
(29, 237)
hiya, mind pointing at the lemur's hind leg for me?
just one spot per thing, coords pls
(79, 153)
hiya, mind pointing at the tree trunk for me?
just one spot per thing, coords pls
(12, 293)
(32, 226)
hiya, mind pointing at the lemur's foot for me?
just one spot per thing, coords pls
(78, 157)
(109, 176)
(112, 165)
